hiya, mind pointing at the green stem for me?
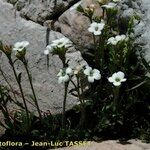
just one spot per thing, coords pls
(78, 91)
(20, 87)
(82, 109)
(63, 59)
(64, 106)
(82, 91)
(103, 13)
(116, 96)
(47, 61)
(100, 53)
(95, 52)
(32, 88)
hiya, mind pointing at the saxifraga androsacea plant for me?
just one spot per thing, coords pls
(59, 47)
(20, 52)
(7, 50)
(115, 56)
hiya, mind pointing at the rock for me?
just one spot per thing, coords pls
(128, 13)
(111, 145)
(49, 92)
(75, 26)
(142, 32)
(75, 59)
(143, 27)
(41, 10)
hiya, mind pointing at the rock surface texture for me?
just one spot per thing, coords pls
(13, 28)
(75, 26)
(111, 145)
(41, 10)
(144, 28)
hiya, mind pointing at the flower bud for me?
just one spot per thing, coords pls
(92, 7)
(7, 49)
(89, 10)
(21, 54)
(77, 69)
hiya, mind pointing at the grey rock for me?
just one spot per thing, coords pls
(49, 92)
(142, 29)
(75, 26)
(128, 13)
(110, 145)
(41, 10)
(142, 32)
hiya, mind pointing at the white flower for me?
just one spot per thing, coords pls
(74, 7)
(115, 40)
(117, 78)
(96, 28)
(109, 6)
(69, 71)
(62, 42)
(120, 37)
(112, 41)
(64, 75)
(93, 74)
(48, 49)
(19, 46)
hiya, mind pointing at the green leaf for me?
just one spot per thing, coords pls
(19, 104)
(135, 87)
(80, 9)
(32, 97)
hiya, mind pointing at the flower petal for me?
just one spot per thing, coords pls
(101, 25)
(94, 24)
(110, 79)
(60, 80)
(49, 47)
(66, 78)
(114, 76)
(69, 71)
(25, 43)
(91, 29)
(116, 83)
(123, 80)
(90, 79)
(96, 74)
(60, 72)
(97, 32)
(120, 75)
(87, 70)
(46, 52)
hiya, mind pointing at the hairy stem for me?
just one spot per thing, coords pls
(116, 96)
(82, 108)
(64, 106)
(20, 87)
(32, 88)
